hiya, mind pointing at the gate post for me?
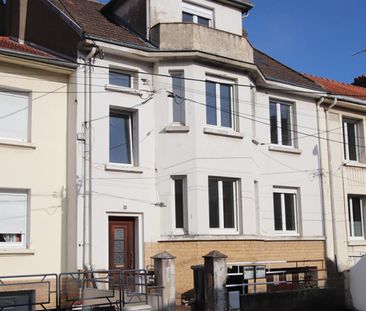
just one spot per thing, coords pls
(164, 267)
(215, 271)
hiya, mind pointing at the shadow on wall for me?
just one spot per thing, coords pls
(357, 284)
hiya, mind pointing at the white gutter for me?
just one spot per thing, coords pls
(331, 182)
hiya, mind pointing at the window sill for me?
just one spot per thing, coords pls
(122, 168)
(176, 129)
(223, 132)
(278, 148)
(16, 251)
(287, 234)
(354, 164)
(16, 144)
(121, 89)
(357, 242)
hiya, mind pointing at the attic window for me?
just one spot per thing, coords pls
(192, 13)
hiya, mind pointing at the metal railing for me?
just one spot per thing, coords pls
(38, 291)
(134, 287)
(90, 289)
(107, 289)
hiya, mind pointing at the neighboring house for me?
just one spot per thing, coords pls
(33, 149)
(342, 117)
(181, 136)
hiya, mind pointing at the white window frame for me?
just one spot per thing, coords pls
(128, 113)
(357, 124)
(284, 191)
(218, 82)
(184, 230)
(124, 71)
(25, 234)
(351, 220)
(198, 11)
(236, 200)
(279, 124)
(178, 73)
(29, 114)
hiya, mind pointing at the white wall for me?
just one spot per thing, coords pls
(199, 155)
(170, 11)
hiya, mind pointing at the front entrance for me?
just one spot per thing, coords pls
(121, 243)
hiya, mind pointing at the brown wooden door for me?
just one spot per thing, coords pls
(121, 243)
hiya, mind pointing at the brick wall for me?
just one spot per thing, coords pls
(190, 253)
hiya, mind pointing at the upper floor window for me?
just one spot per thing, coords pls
(351, 138)
(281, 123)
(13, 218)
(120, 136)
(14, 116)
(192, 13)
(356, 216)
(178, 104)
(180, 202)
(219, 104)
(223, 202)
(118, 78)
(285, 210)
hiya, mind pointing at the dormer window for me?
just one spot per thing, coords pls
(192, 13)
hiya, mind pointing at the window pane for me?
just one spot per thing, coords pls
(178, 101)
(229, 204)
(119, 138)
(187, 18)
(357, 217)
(277, 211)
(13, 217)
(286, 125)
(211, 103)
(119, 79)
(273, 121)
(179, 203)
(213, 193)
(290, 211)
(352, 142)
(225, 105)
(14, 115)
(203, 21)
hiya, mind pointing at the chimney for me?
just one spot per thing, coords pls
(15, 18)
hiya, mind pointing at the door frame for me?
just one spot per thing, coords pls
(138, 236)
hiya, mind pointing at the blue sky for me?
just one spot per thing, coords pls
(312, 36)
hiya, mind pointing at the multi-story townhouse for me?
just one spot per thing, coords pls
(182, 137)
(342, 132)
(33, 132)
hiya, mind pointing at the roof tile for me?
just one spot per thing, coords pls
(340, 88)
(87, 14)
(9, 44)
(276, 71)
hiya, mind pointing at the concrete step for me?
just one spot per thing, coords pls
(135, 307)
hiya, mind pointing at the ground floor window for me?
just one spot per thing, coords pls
(356, 216)
(223, 202)
(285, 210)
(13, 218)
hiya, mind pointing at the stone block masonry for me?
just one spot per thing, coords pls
(190, 253)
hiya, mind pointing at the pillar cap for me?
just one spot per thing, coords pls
(215, 254)
(163, 255)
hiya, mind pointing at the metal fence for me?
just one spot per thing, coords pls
(90, 290)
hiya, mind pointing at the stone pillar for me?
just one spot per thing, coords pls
(164, 266)
(215, 271)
